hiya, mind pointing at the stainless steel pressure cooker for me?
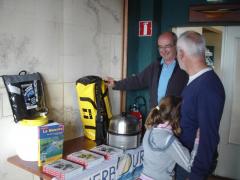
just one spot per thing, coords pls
(124, 132)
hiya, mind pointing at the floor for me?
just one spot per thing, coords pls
(218, 178)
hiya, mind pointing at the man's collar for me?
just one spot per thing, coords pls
(162, 61)
(195, 76)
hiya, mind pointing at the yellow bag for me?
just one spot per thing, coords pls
(95, 108)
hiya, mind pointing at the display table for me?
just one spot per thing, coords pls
(69, 146)
(127, 167)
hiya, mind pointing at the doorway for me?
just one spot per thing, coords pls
(223, 43)
(213, 37)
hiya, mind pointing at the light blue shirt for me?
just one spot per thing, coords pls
(166, 73)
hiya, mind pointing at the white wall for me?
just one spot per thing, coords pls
(229, 146)
(63, 40)
(179, 30)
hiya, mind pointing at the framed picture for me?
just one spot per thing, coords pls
(209, 56)
(215, 13)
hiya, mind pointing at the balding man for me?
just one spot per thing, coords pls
(162, 77)
(202, 106)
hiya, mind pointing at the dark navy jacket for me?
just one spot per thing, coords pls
(202, 107)
(149, 78)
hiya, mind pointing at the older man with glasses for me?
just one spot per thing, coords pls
(162, 77)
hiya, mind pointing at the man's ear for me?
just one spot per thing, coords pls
(180, 53)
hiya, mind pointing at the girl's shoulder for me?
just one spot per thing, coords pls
(160, 138)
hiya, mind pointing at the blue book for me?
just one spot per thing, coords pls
(50, 143)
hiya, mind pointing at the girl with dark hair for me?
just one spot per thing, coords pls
(162, 149)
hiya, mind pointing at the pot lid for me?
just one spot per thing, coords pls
(124, 124)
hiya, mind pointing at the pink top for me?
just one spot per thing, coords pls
(165, 126)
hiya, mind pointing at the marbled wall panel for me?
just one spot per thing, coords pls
(31, 45)
(55, 100)
(77, 66)
(7, 132)
(78, 41)
(100, 55)
(63, 40)
(114, 99)
(19, 7)
(109, 15)
(5, 108)
(1, 105)
(49, 10)
(95, 25)
(70, 96)
(48, 48)
(2, 90)
(10, 136)
(114, 70)
(115, 57)
(77, 13)
(82, 50)
(7, 146)
(10, 172)
(89, 55)
(73, 125)
(103, 14)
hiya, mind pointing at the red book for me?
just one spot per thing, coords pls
(86, 158)
(63, 169)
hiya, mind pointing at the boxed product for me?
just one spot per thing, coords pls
(107, 170)
(63, 169)
(86, 158)
(107, 151)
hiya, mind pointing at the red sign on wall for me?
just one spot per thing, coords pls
(145, 28)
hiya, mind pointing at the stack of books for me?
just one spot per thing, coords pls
(86, 158)
(108, 152)
(107, 170)
(63, 169)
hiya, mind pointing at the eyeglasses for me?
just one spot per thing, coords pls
(168, 46)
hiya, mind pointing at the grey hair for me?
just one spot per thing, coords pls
(192, 43)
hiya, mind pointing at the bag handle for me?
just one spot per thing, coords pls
(23, 72)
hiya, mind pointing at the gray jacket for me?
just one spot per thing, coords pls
(162, 150)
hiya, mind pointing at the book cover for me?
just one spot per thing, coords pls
(107, 151)
(50, 143)
(63, 169)
(86, 158)
(107, 170)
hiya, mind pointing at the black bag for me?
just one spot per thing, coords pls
(26, 95)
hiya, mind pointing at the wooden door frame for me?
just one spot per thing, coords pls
(124, 54)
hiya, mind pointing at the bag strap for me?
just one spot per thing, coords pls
(101, 124)
(43, 94)
(105, 93)
(89, 100)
